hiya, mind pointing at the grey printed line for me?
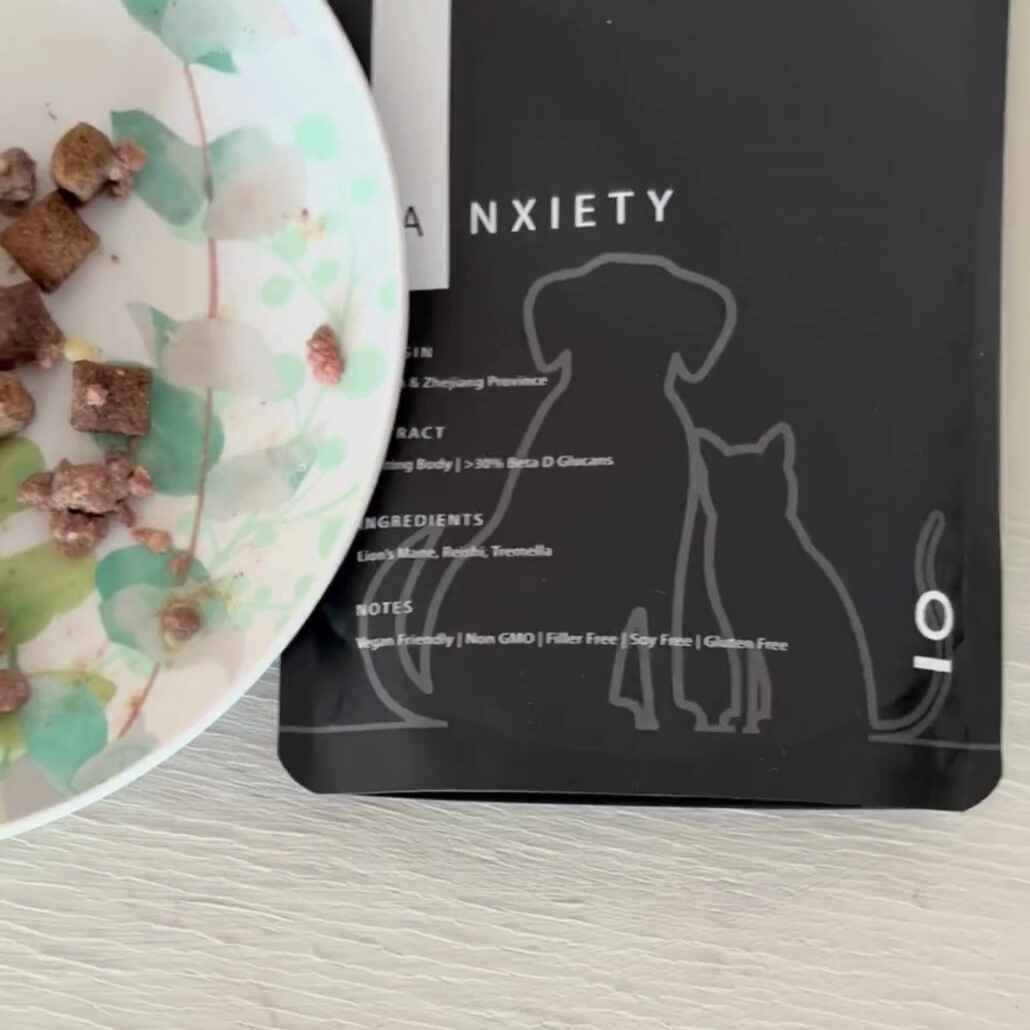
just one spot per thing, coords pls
(644, 715)
(409, 720)
(908, 727)
(365, 727)
(425, 540)
(699, 495)
(784, 431)
(563, 365)
(944, 745)
(759, 693)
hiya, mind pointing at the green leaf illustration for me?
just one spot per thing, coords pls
(64, 726)
(134, 585)
(132, 566)
(202, 32)
(326, 273)
(215, 353)
(220, 61)
(149, 13)
(174, 448)
(19, 459)
(12, 741)
(155, 327)
(237, 151)
(102, 689)
(366, 371)
(277, 291)
(38, 585)
(291, 245)
(328, 535)
(292, 372)
(318, 137)
(119, 756)
(172, 184)
(260, 481)
(332, 453)
(259, 185)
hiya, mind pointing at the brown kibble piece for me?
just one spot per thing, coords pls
(181, 621)
(157, 540)
(325, 359)
(129, 159)
(83, 161)
(17, 181)
(35, 491)
(27, 332)
(17, 408)
(50, 242)
(126, 409)
(85, 488)
(14, 690)
(77, 534)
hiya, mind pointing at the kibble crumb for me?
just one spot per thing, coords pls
(158, 541)
(17, 408)
(14, 690)
(17, 181)
(325, 358)
(181, 621)
(35, 492)
(129, 160)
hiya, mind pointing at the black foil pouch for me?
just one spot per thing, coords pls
(694, 494)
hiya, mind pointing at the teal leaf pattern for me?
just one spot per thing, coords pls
(262, 481)
(202, 32)
(328, 535)
(135, 585)
(19, 459)
(133, 565)
(64, 726)
(277, 291)
(195, 28)
(172, 184)
(155, 328)
(220, 61)
(116, 758)
(174, 448)
(259, 186)
(318, 138)
(149, 13)
(292, 373)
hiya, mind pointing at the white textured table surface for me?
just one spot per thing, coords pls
(216, 894)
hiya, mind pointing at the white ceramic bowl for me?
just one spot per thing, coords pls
(268, 208)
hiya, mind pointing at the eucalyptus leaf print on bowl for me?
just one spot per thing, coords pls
(237, 244)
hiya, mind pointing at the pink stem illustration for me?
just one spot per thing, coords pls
(185, 560)
(212, 311)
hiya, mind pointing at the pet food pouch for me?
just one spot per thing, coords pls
(693, 493)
